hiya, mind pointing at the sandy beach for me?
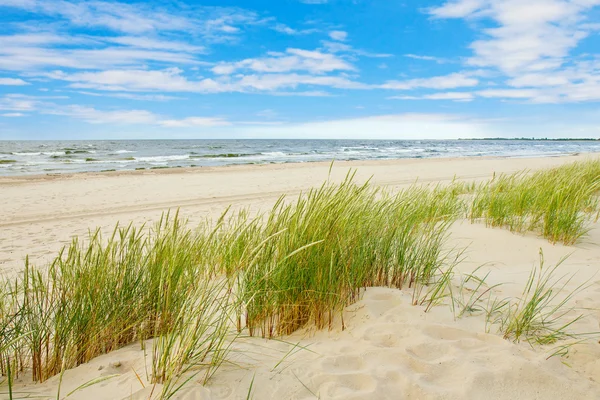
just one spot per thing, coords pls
(390, 349)
(40, 214)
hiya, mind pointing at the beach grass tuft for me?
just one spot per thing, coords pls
(305, 260)
(558, 203)
(542, 314)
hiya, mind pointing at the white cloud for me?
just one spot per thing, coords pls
(338, 35)
(133, 96)
(172, 80)
(141, 18)
(539, 80)
(398, 126)
(94, 116)
(39, 38)
(438, 60)
(450, 81)
(148, 43)
(306, 93)
(267, 113)
(12, 82)
(282, 28)
(454, 96)
(145, 50)
(271, 82)
(193, 122)
(135, 34)
(532, 45)
(292, 60)
(130, 117)
(531, 35)
(19, 57)
(261, 123)
(457, 8)
(167, 80)
(337, 47)
(508, 93)
(12, 115)
(18, 102)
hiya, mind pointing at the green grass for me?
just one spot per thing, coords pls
(99, 296)
(542, 314)
(310, 258)
(301, 262)
(558, 203)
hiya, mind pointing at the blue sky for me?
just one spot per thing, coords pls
(299, 69)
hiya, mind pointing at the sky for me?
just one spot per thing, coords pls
(330, 69)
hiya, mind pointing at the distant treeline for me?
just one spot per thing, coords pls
(536, 139)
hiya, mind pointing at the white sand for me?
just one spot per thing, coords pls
(390, 349)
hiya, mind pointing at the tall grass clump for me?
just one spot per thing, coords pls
(197, 339)
(188, 289)
(542, 314)
(109, 292)
(305, 260)
(558, 203)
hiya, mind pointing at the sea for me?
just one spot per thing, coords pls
(57, 157)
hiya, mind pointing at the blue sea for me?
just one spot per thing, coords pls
(55, 157)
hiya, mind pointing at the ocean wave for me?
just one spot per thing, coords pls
(26, 154)
(122, 151)
(162, 158)
(226, 155)
(275, 154)
(352, 148)
(76, 151)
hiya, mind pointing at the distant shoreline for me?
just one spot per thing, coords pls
(538, 139)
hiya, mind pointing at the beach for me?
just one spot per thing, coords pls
(389, 349)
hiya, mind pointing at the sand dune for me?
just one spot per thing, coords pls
(390, 349)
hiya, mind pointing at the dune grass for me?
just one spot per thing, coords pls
(99, 296)
(542, 314)
(312, 257)
(557, 203)
(299, 263)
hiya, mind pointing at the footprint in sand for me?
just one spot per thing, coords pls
(220, 391)
(386, 335)
(345, 386)
(447, 333)
(429, 352)
(345, 363)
